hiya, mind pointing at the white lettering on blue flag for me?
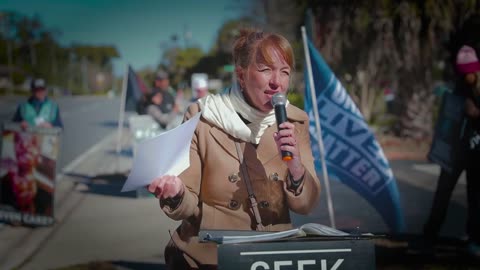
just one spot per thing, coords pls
(352, 153)
(351, 148)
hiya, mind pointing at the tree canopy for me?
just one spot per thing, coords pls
(30, 49)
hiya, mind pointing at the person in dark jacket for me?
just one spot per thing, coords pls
(465, 158)
(162, 84)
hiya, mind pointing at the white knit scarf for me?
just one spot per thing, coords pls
(222, 110)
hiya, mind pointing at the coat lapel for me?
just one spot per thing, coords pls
(267, 149)
(226, 141)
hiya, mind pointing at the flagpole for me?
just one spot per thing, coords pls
(121, 117)
(318, 128)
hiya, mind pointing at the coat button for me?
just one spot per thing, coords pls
(233, 205)
(264, 204)
(233, 177)
(274, 176)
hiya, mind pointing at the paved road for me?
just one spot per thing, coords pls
(87, 119)
(416, 183)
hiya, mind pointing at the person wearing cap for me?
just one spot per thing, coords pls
(465, 157)
(38, 110)
(162, 84)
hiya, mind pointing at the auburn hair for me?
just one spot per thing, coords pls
(254, 46)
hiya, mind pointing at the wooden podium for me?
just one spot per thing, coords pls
(309, 253)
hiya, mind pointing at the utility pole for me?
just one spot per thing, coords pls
(84, 74)
(33, 54)
(10, 67)
(53, 56)
(54, 63)
(70, 71)
(6, 34)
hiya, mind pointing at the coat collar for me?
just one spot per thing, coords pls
(295, 114)
(266, 150)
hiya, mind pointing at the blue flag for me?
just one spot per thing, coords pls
(353, 155)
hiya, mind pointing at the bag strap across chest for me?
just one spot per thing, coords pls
(251, 194)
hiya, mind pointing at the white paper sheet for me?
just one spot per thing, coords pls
(166, 154)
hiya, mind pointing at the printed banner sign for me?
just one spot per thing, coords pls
(27, 174)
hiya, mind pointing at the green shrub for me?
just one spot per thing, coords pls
(296, 99)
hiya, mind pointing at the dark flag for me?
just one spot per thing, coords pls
(136, 90)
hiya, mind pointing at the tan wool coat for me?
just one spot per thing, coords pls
(216, 196)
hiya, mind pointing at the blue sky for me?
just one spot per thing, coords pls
(136, 28)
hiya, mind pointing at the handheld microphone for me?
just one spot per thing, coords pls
(279, 101)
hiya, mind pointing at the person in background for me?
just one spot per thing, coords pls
(180, 99)
(472, 140)
(162, 84)
(154, 109)
(38, 110)
(465, 158)
(142, 103)
(235, 144)
(200, 92)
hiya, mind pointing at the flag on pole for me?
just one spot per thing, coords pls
(353, 155)
(136, 89)
(133, 90)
